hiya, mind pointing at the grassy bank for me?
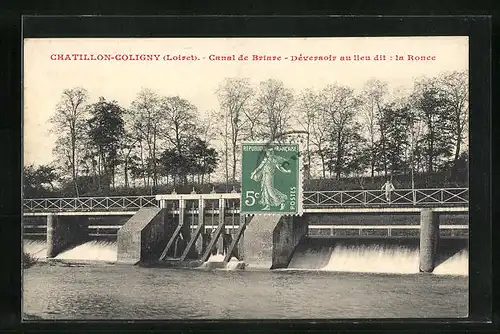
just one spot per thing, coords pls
(28, 260)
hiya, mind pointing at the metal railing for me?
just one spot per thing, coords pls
(86, 204)
(434, 197)
(377, 198)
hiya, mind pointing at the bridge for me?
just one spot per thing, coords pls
(192, 225)
(402, 200)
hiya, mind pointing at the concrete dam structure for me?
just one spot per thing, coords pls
(188, 230)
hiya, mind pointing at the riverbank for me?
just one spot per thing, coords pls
(28, 260)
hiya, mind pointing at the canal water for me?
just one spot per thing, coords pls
(327, 283)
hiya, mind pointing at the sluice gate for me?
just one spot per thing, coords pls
(205, 225)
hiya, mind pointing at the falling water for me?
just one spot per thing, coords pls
(37, 248)
(373, 259)
(341, 258)
(389, 259)
(215, 261)
(216, 257)
(94, 250)
(458, 265)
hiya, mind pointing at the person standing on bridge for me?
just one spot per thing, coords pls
(388, 188)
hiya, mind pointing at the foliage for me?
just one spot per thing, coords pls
(28, 260)
(38, 181)
(239, 121)
(69, 123)
(273, 109)
(356, 137)
(433, 109)
(199, 160)
(105, 131)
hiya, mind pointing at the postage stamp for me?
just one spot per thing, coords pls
(271, 179)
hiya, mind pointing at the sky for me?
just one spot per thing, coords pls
(45, 77)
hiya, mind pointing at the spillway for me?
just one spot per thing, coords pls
(377, 256)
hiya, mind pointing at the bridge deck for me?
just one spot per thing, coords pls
(307, 210)
(350, 201)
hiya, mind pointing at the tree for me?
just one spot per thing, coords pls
(339, 106)
(179, 127)
(36, 179)
(460, 168)
(414, 139)
(106, 130)
(69, 122)
(234, 98)
(273, 107)
(136, 168)
(456, 91)
(307, 118)
(348, 158)
(206, 128)
(319, 141)
(434, 110)
(373, 97)
(175, 164)
(90, 162)
(397, 123)
(128, 144)
(145, 120)
(198, 160)
(203, 158)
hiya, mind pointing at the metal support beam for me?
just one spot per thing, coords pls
(199, 229)
(176, 232)
(236, 239)
(217, 233)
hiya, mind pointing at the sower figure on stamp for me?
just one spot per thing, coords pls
(388, 187)
(270, 196)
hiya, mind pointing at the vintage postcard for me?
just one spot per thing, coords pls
(245, 178)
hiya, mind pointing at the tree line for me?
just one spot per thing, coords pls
(344, 133)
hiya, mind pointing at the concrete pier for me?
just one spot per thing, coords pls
(143, 236)
(429, 239)
(270, 240)
(64, 232)
(287, 235)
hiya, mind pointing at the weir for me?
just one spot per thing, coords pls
(377, 255)
(188, 229)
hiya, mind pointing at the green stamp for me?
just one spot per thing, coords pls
(271, 181)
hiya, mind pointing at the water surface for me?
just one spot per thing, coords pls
(131, 292)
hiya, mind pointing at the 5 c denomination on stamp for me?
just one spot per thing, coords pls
(271, 180)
